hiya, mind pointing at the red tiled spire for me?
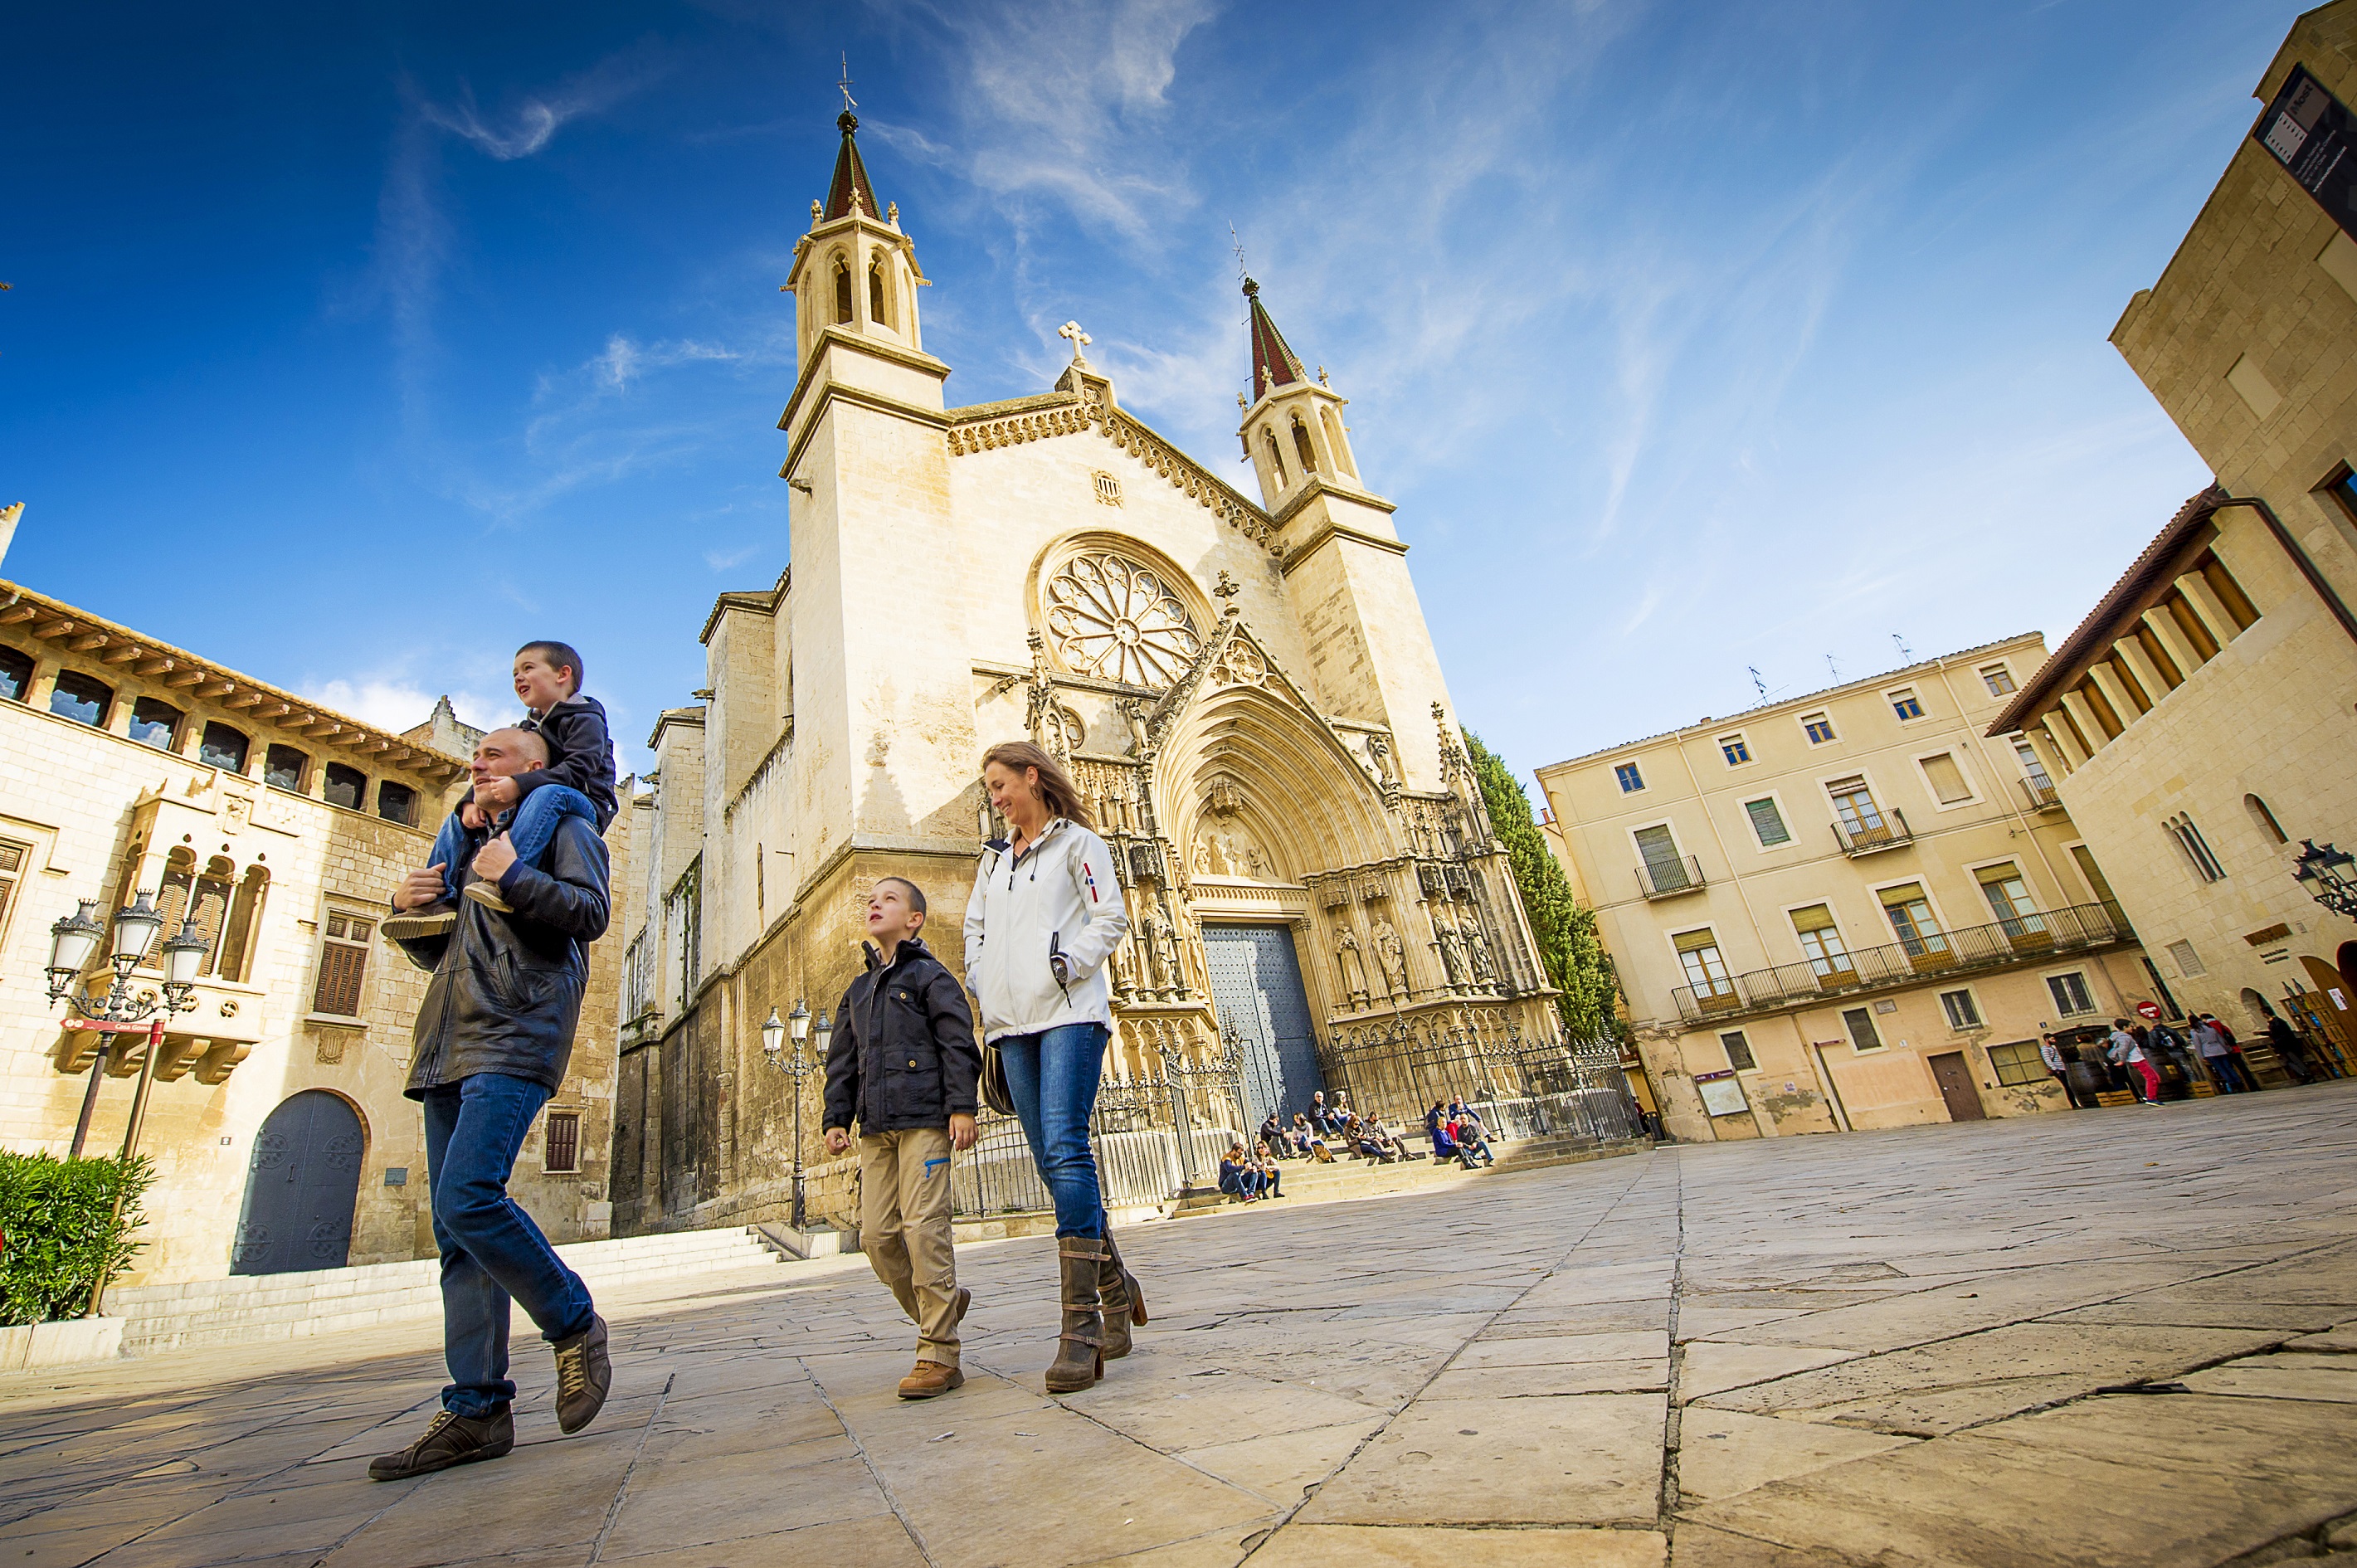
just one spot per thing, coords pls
(850, 185)
(1274, 365)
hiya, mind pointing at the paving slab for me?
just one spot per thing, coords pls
(1888, 1348)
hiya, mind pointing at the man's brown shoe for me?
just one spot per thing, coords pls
(931, 1379)
(584, 1373)
(448, 1439)
(965, 1300)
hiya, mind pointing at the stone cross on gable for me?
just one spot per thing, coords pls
(1079, 339)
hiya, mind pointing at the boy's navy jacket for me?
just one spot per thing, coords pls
(583, 753)
(904, 1053)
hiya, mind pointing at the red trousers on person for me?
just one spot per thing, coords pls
(2151, 1080)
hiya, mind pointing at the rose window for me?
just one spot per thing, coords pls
(1116, 619)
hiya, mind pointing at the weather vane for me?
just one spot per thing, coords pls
(849, 103)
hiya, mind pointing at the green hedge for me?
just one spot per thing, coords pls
(54, 1230)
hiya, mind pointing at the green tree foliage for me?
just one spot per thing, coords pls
(59, 1230)
(1577, 963)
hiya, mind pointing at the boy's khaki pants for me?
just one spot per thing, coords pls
(904, 1224)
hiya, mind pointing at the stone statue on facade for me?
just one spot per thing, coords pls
(1452, 950)
(1133, 713)
(1352, 965)
(1390, 958)
(1166, 949)
(1477, 954)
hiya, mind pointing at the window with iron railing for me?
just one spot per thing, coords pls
(1909, 913)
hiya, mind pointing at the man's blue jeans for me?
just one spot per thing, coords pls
(491, 1252)
(530, 828)
(1052, 1078)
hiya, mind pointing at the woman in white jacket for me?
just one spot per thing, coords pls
(1046, 913)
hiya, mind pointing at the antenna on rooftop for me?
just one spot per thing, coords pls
(1905, 652)
(1832, 669)
(1759, 683)
(1242, 271)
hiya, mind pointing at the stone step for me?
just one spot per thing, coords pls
(251, 1308)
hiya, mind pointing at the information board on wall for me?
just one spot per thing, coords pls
(2309, 131)
(1722, 1095)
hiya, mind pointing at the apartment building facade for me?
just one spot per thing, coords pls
(2200, 720)
(276, 828)
(1851, 909)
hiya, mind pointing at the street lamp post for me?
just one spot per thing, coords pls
(774, 1031)
(2325, 874)
(73, 941)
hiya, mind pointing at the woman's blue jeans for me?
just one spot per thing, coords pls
(1052, 1077)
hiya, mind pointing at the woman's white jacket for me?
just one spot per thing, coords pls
(1061, 895)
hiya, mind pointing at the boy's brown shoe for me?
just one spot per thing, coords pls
(425, 921)
(931, 1379)
(488, 895)
(448, 1439)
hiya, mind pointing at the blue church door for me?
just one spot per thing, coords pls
(1257, 987)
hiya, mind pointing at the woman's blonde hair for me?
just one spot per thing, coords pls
(1057, 790)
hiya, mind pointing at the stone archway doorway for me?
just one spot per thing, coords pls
(1256, 990)
(301, 1188)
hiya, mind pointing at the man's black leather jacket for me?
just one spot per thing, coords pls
(506, 991)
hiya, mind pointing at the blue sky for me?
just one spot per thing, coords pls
(354, 345)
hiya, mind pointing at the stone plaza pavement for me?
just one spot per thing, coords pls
(1881, 1349)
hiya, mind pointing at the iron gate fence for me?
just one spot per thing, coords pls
(1520, 1089)
(1139, 1159)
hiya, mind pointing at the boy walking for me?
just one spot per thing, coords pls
(576, 781)
(904, 1065)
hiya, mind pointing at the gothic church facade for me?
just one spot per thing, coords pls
(1245, 690)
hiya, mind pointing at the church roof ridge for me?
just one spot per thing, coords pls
(851, 185)
(1007, 405)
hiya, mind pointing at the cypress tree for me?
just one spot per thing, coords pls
(1569, 947)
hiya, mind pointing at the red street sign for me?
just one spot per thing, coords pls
(105, 1026)
(2149, 1011)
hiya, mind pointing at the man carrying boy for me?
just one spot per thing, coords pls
(904, 1064)
(492, 1042)
(576, 780)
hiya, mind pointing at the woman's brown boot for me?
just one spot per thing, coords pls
(1079, 1352)
(1123, 1303)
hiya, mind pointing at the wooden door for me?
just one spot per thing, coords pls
(1956, 1080)
(300, 1190)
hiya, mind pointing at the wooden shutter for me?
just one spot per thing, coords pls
(1948, 784)
(563, 1146)
(1767, 822)
(343, 963)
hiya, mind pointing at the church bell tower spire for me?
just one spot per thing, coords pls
(855, 271)
(1293, 429)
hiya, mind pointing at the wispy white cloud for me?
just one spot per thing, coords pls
(535, 119)
(398, 703)
(1059, 103)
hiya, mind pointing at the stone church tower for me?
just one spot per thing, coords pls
(1246, 691)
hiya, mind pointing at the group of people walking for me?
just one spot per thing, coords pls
(503, 917)
(2146, 1059)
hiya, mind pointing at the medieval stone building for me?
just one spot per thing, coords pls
(1244, 689)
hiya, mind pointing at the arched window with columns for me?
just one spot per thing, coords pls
(1276, 458)
(1301, 445)
(876, 311)
(842, 291)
